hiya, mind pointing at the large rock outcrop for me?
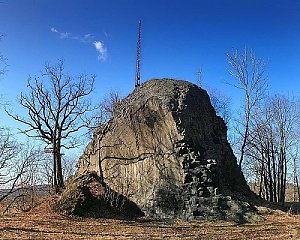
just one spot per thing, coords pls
(167, 150)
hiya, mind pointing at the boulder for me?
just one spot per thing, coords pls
(88, 196)
(167, 150)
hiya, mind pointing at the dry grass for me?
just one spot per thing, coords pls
(42, 223)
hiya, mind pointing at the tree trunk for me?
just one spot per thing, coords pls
(245, 138)
(274, 171)
(298, 189)
(60, 179)
(55, 188)
(58, 176)
(246, 133)
(100, 161)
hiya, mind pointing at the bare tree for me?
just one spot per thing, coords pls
(109, 104)
(69, 166)
(46, 171)
(104, 111)
(249, 73)
(274, 146)
(219, 100)
(3, 60)
(56, 109)
(8, 150)
(296, 189)
(27, 190)
(16, 162)
(221, 104)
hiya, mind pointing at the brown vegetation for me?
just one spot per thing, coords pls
(42, 223)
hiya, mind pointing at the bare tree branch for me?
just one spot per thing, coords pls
(249, 73)
(56, 108)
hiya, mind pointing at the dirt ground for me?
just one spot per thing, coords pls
(42, 223)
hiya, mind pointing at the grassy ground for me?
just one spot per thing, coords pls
(42, 223)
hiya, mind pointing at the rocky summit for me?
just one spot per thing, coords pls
(167, 151)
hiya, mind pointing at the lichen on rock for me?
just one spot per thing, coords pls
(167, 150)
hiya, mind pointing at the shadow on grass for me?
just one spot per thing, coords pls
(31, 230)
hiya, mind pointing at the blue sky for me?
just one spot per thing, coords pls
(178, 37)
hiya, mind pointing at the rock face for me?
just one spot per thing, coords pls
(167, 150)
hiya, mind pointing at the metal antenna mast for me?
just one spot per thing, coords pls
(199, 77)
(138, 57)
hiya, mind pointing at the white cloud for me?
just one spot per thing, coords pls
(87, 38)
(65, 35)
(101, 49)
(106, 34)
(54, 30)
(61, 35)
